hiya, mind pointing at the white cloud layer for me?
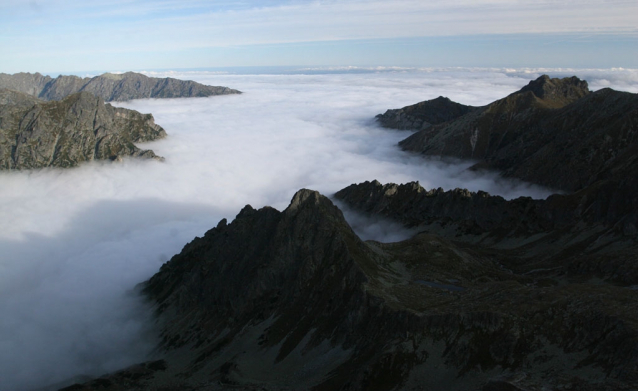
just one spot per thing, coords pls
(75, 242)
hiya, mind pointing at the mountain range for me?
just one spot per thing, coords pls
(553, 132)
(490, 294)
(62, 122)
(108, 86)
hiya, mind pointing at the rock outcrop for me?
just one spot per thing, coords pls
(79, 128)
(553, 132)
(109, 86)
(423, 114)
(295, 300)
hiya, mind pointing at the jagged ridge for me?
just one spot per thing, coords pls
(81, 127)
(294, 300)
(110, 87)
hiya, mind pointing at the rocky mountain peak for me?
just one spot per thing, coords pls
(295, 300)
(560, 91)
(552, 132)
(303, 197)
(113, 76)
(423, 114)
(442, 99)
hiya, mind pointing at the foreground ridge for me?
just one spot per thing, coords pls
(552, 132)
(295, 300)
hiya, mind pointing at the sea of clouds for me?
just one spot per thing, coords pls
(74, 243)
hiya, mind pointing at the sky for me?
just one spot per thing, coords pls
(66, 36)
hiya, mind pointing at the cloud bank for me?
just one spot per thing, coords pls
(75, 242)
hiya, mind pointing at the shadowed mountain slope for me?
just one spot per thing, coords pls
(553, 132)
(109, 86)
(295, 300)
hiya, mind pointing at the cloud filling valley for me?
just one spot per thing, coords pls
(75, 243)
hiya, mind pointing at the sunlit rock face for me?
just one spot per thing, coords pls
(80, 128)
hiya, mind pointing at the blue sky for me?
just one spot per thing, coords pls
(70, 36)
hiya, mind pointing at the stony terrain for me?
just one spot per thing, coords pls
(79, 128)
(553, 132)
(424, 114)
(109, 86)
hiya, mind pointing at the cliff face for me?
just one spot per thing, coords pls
(110, 87)
(424, 114)
(81, 127)
(295, 300)
(553, 132)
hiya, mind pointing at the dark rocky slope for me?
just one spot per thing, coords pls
(295, 300)
(588, 233)
(553, 132)
(109, 86)
(490, 295)
(79, 128)
(423, 114)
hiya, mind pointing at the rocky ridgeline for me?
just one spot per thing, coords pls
(592, 232)
(473, 212)
(553, 132)
(295, 300)
(79, 128)
(109, 86)
(424, 114)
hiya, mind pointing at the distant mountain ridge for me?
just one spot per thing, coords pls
(79, 128)
(423, 114)
(109, 86)
(552, 132)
